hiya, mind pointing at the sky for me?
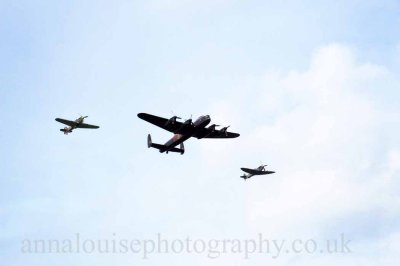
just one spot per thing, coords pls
(312, 87)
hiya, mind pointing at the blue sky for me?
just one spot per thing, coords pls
(312, 86)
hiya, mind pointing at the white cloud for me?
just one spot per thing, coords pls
(325, 137)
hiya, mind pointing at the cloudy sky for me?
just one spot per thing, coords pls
(313, 88)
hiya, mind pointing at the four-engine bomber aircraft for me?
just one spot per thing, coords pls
(184, 131)
(258, 171)
(78, 123)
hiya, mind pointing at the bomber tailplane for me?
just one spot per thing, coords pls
(164, 148)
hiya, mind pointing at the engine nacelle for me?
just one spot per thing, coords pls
(186, 125)
(172, 120)
(224, 130)
(188, 122)
(212, 127)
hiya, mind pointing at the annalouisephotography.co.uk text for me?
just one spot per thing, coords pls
(147, 248)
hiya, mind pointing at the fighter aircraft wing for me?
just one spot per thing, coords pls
(215, 134)
(83, 125)
(66, 122)
(256, 172)
(268, 172)
(160, 122)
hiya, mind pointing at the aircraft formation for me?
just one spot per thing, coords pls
(182, 131)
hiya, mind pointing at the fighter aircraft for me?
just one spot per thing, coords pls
(184, 131)
(71, 125)
(258, 171)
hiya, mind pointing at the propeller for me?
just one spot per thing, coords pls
(174, 116)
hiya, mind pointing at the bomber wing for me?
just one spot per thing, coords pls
(66, 122)
(83, 125)
(161, 122)
(215, 134)
(256, 172)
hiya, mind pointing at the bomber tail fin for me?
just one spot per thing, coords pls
(150, 144)
(149, 141)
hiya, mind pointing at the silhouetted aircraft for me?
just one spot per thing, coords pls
(184, 131)
(78, 123)
(258, 171)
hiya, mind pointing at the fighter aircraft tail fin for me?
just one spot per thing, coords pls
(66, 130)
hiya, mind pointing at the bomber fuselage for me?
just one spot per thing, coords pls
(187, 130)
